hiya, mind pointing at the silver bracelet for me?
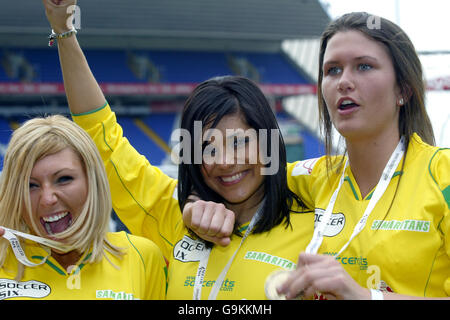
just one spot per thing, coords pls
(54, 36)
(376, 294)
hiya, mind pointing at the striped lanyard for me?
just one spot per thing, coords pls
(10, 235)
(381, 187)
(204, 263)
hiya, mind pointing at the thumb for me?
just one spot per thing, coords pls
(223, 241)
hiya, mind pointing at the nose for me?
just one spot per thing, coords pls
(48, 196)
(346, 82)
(219, 155)
(227, 157)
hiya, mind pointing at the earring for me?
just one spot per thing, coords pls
(401, 102)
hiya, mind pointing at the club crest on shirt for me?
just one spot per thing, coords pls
(30, 289)
(335, 225)
(304, 167)
(188, 250)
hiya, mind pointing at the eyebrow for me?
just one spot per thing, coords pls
(357, 58)
(57, 172)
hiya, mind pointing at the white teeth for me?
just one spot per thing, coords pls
(232, 178)
(55, 217)
(345, 102)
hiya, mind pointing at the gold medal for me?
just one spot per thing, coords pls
(273, 281)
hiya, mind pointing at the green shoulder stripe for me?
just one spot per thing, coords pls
(89, 112)
(352, 187)
(446, 191)
(140, 256)
(52, 265)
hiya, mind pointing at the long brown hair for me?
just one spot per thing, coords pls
(408, 71)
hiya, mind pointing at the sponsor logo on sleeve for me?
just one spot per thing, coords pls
(30, 289)
(304, 167)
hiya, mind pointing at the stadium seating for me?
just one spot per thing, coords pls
(172, 67)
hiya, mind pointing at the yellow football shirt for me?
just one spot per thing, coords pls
(139, 274)
(145, 200)
(405, 245)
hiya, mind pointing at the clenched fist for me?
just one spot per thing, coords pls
(210, 221)
(59, 14)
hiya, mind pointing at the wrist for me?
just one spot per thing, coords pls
(60, 36)
(60, 30)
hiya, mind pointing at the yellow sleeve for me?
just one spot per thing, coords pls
(156, 273)
(143, 197)
(148, 268)
(440, 171)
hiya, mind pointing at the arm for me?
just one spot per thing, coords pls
(213, 222)
(82, 90)
(142, 196)
(210, 221)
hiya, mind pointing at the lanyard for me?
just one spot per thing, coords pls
(204, 262)
(381, 187)
(10, 235)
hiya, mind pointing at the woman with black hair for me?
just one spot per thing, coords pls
(238, 109)
(231, 153)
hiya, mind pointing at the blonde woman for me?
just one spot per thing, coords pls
(54, 190)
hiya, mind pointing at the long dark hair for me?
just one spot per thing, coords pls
(409, 76)
(407, 67)
(209, 103)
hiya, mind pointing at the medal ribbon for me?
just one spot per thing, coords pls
(204, 263)
(381, 187)
(10, 235)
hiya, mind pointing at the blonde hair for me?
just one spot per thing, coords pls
(34, 140)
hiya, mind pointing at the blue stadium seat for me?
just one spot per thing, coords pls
(274, 68)
(141, 142)
(44, 62)
(189, 66)
(174, 66)
(162, 124)
(3, 76)
(110, 66)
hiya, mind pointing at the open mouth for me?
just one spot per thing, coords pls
(57, 223)
(232, 179)
(347, 104)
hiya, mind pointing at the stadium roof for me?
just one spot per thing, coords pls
(172, 22)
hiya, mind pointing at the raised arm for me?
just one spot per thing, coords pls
(82, 90)
(143, 197)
